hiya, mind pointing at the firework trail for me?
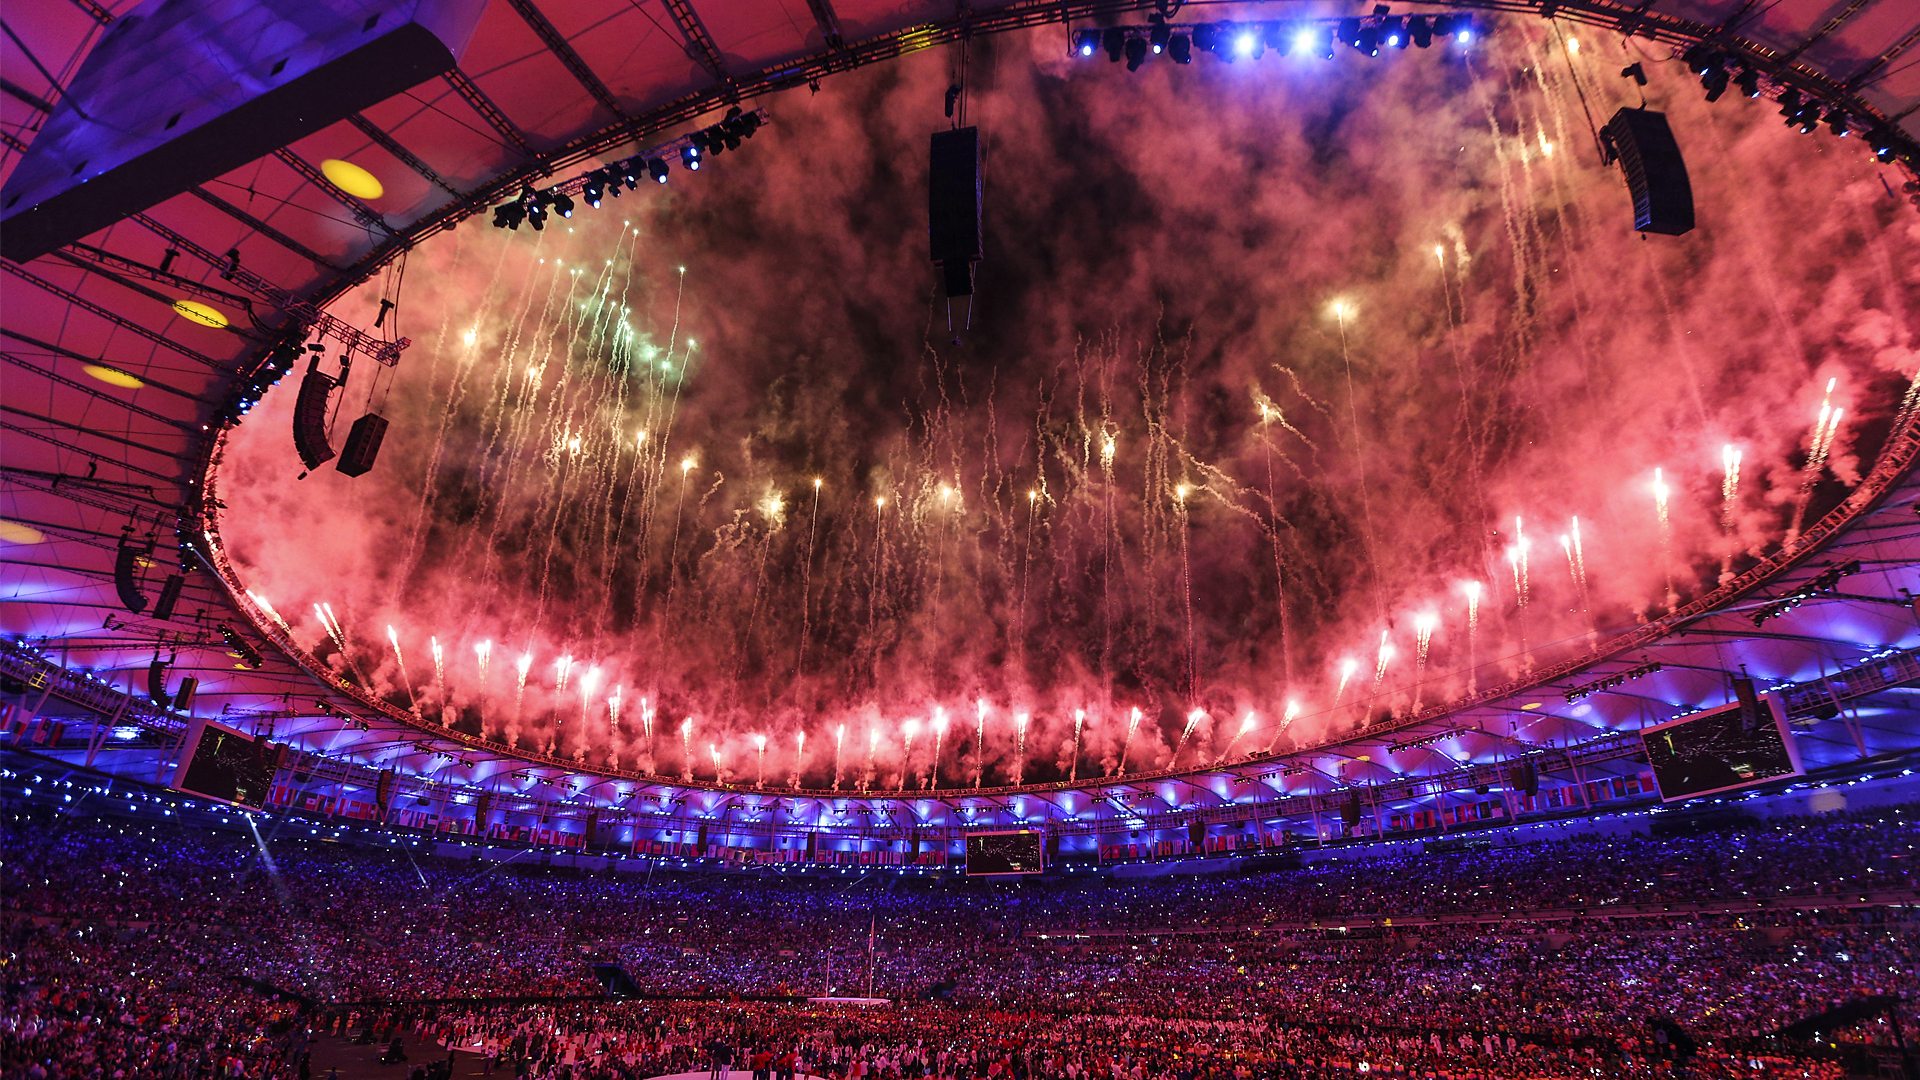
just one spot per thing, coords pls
(713, 753)
(1079, 722)
(1287, 718)
(520, 669)
(1424, 625)
(1579, 561)
(1247, 723)
(939, 740)
(1026, 561)
(1180, 493)
(589, 684)
(1348, 668)
(806, 587)
(562, 669)
(1522, 583)
(799, 758)
(1267, 413)
(261, 603)
(439, 663)
(613, 708)
(482, 653)
(686, 748)
(873, 747)
(839, 742)
(413, 703)
(1661, 494)
(877, 582)
(979, 740)
(1385, 657)
(1729, 484)
(646, 731)
(1473, 589)
(673, 552)
(1186, 732)
(908, 730)
(760, 761)
(1133, 725)
(1020, 720)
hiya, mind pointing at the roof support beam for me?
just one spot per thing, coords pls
(827, 20)
(700, 46)
(556, 44)
(361, 211)
(479, 102)
(264, 229)
(118, 320)
(406, 157)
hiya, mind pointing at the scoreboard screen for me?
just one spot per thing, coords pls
(227, 766)
(1736, 746)
(1019, 852)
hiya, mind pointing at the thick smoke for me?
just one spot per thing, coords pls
(1269, 362)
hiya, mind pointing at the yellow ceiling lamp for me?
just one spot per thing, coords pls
(352, 179)
(204, 314)
(113, 376)
(13, 532)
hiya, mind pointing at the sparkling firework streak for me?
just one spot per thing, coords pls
(1193, 721)
(1824, 425)
(261, 603)
(563, 668)
(1424, 625)
(333, 631)
(1020, 721)
(799, 758)
(1380, 665)
(613, 709)
(1579, 561)
(589, 684)
(979, 740)
(839, 742)
(760, 761)
(1661, 493)
(439, 662)
(1133, 725)
(713, 752)
(939, 741)
(1247, 723)
(1079, 722)
(482, 653)
(1517, 554)
(1729, 484)
(1348, 668)
(520, 669)
(1287, 718)
(401, 662)
(907, 731)
(873, 747)
(646, 727)
(1473, 589)
(686, 748)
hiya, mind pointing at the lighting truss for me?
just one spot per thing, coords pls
(1230, 40)
(691, 150)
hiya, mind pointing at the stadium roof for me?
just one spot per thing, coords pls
(110, 389)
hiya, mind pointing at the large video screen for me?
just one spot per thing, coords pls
(224, 765)
(1725, 749)
(1005, 853)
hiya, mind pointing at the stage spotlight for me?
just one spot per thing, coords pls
(1180, 48)
(1443, 26)
(1307, 40)
(1463, 33)
(1837, 122)
(1085, 42)
(1248, 44)
(1115, 42)
(508, 215)
(592, 191)
(1349, 31)
(657, 169)
(1698, 59)
(1136, 53)
(1789, 103)
(536, 216)
(1749, 83)
(1882, 143)
(690, 157)
(562, 205)
(1715, 80)
(1393, 33)
(1420, 31)
(1369, 41)
(1808, 118)
(1206, 37)
(1158, 37)
(630, 173)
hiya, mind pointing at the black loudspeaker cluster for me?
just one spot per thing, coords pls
(953, 207)
(363, 444)
(128, 562)
(1656, 175)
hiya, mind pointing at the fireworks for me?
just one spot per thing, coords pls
(613, 709)
(799, 758)
(686, 748)
(1517, 557)
(839, 743)
(1073, 764)
(1133, 725)
(1020, 720)
(1384, 657)
(1729, 484)
(482, 653)
(1348, 668)
(908, 730)
(1194, 717)
(439, 662)
(760, 763)
(939, 741)
(713, 752)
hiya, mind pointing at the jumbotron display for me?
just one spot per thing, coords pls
(1736, 746)
(1018, 852)
(227, 766)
